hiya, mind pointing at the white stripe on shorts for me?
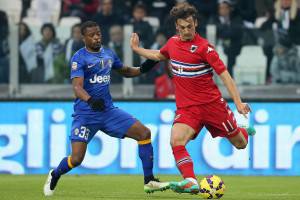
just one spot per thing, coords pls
(225, 127)
(230, 124)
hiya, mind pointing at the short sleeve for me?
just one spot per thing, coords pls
(165, 50)
(212, 58)
(76, 66)
(117, 63)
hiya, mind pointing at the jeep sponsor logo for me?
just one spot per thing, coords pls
(100, 79)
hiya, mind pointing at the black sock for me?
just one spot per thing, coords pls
(147, 179)
(54, 175)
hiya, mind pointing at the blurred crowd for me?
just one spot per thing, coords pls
(274, 25)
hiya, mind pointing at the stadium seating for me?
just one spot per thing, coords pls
(223, 57)
(35, 26)
(153, 21)
(221, 53)
(250, 67)
(211, 34)
(63, 29)
(13, 9)
(46, 11)
(36, 19)
(259, 21)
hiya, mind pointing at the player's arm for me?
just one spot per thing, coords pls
(216, 63)
(128, 72)
(147, 53)
(242, 108)
(81, 93)
(146, 66)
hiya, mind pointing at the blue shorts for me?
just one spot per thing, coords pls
(114, 122)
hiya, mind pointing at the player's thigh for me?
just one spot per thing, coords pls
(81, 132)
(187, 124)
(181, 134)
(81, 135)
(138, 132)
(117, 123)
(219, 120)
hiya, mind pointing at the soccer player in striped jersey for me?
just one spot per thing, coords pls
(198, 100)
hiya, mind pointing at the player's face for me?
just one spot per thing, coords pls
(186, 28)
(92, 38)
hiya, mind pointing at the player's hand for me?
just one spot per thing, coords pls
(96, 104)
(134, 41)
(244, 109)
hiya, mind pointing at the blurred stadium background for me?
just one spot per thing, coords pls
(259, 41)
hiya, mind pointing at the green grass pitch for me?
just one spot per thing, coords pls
(130, 187)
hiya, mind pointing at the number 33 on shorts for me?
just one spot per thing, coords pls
(82, 132)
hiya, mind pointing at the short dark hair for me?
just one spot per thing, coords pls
(140, 5)
(183, 11)
(86, 25)
(76, 25)
(50, 26)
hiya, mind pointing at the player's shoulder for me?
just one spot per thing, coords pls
(173, 41)
(79, 53)
(107, 50)
(174, 38)
(204, 44)
(201, 40)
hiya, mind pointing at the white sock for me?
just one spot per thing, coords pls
(192, 180)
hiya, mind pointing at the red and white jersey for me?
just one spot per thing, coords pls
(192, 64)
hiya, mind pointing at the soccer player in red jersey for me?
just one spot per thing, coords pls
(198, 100)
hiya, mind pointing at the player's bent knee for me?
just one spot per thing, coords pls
(76, 160)
(173, 143)
(76, 163)
(145, 134)
(241, 145)
(177, 142)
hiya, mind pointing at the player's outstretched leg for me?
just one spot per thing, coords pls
(54, 175)
(65, 165)
(240, 139)
(151, 184)
(185, 165)
(142, 135)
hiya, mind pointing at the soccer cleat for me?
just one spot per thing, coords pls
(50, 184)
(251, 131)
(155, 185)
(185, 186)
